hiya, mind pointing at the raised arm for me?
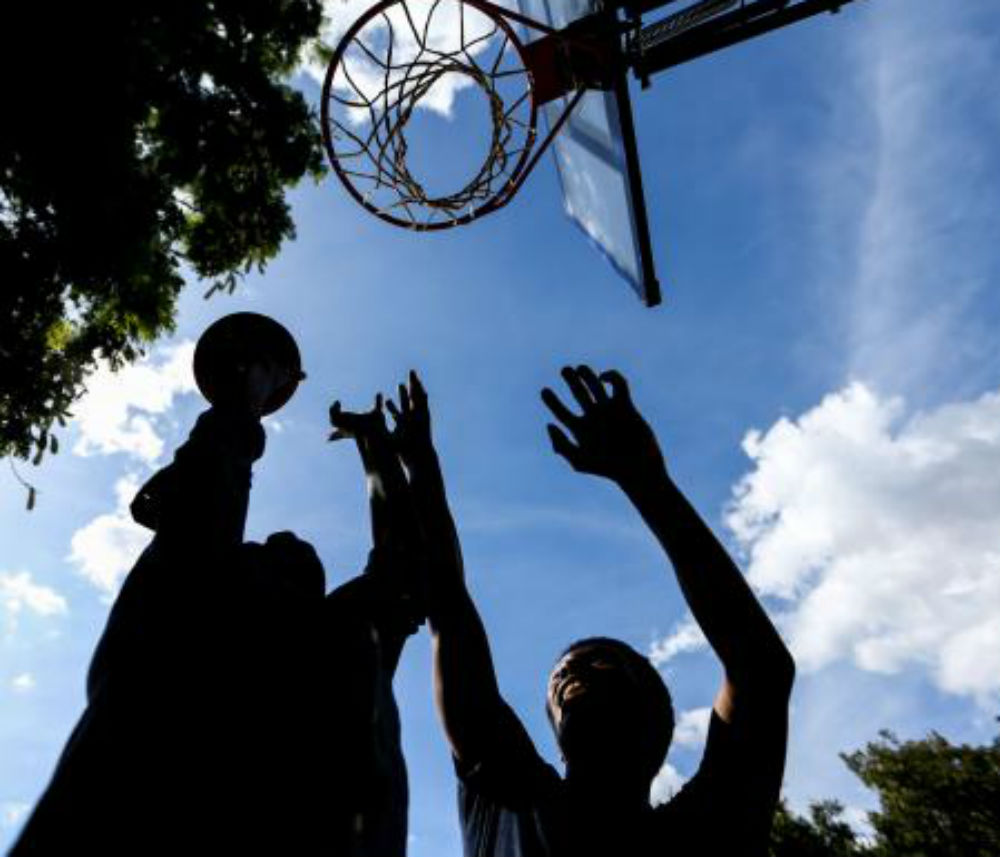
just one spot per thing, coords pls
(466, 691)
(197, 505)
(389, 593)
(611, 439)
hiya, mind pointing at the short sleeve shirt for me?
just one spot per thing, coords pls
(514, 804)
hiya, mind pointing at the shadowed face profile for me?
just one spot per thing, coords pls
(609, 708)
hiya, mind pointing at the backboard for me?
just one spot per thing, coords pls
(598, 164)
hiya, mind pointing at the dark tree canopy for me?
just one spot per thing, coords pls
(138, 140)
(936, 799)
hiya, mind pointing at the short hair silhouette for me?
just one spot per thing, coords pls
(659, 707)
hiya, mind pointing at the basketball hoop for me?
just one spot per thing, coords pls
(390, 60)
(394, 58)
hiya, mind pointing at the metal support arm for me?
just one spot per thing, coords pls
(651, 52)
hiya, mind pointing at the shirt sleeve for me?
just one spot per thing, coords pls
(505, 795)
(727, 807)
(509, 772)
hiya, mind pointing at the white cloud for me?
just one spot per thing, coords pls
(692, 727)
(19, 594)
(106, 548)
(665, 784)
(23, 683)
(686, 637)
(12, 812)
(119, 410)
(881, 531)
(443, 34)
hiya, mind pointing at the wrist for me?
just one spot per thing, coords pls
(422, 461)
(649, 484)
(234, 429)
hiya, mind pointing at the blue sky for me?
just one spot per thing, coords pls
(823, 375)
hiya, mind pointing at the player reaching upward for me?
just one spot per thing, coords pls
(609, 708)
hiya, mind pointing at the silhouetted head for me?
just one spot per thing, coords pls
(610, 709)
(292, 560)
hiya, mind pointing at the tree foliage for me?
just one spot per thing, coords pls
(936, 799)
(139, 140)
(823, 834)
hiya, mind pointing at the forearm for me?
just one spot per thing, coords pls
(465, 683)
(388, 492)
(717, 594)
(394, 563)
(199, 503)
(445, 573)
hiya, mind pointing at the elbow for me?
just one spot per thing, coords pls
(781, 671)
(766, 676)
(764, 661)
(772, 672)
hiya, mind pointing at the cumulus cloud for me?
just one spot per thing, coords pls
(106, 548)
(20, 594)
(881, 533)
(686, 637)
(119, 411)
(665, 784)
(690, 731)
(437, 24)
(692, 727)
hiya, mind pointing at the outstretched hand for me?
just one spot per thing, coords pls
(360, 425)
(610, 438)
(412, 421)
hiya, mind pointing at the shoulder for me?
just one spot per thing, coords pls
(727, 806)
(511, 811)
(508, 770)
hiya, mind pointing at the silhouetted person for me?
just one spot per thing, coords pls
(233, 707)
(609, 708)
